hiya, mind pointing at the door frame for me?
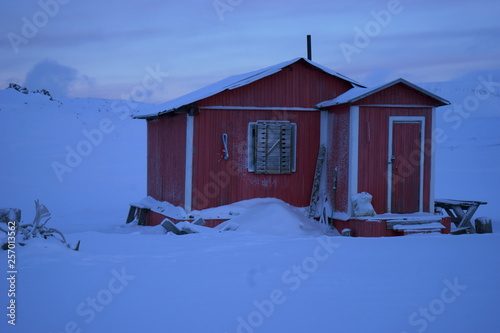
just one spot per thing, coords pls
(407, 119)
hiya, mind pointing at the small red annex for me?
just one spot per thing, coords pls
(259, 134)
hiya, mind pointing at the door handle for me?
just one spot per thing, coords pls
(393, 158)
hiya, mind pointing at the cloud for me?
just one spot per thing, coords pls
(58, 79)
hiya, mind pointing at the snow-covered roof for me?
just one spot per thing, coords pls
(229, 83)
(357, 93)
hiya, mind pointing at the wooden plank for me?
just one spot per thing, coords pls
(143, 213)
(461, 231)
(171, 227)
(137, 211)
(131, 214)
(391, 223)
(199, 221)
(434, 226)
(451, 202)
(466, 219)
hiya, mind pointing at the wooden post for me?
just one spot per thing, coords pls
(131, 214)
(483, 225)
(10, 215)
(143, 212)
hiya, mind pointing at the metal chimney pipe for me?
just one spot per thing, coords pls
(309, 48)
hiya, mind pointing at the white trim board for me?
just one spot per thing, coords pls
(395, 105)
(353, 155)
(188, 181)
(433, 160)
(265, 108)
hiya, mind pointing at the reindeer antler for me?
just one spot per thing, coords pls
(41, 213)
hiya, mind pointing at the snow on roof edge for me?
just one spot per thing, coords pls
(331, 72)
(229, 83)
(357, 93)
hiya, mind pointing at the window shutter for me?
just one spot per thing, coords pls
(274, 147)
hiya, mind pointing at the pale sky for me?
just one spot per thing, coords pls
(110, 49)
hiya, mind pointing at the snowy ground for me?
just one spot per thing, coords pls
(288, 278)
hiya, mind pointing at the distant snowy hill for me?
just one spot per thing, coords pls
(85, 159)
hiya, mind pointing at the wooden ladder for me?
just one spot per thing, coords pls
(317, 181)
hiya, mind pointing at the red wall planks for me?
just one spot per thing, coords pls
(365, 228)
(398, 94)
(219, 182)
(298, 85)
(373, 152)
(166, 158)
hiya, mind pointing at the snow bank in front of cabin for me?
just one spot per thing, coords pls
(269, 216)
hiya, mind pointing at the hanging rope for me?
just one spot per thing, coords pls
(224, 142)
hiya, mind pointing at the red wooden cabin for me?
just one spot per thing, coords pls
(258, 134)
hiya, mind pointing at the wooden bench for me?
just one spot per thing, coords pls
(461, 212)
